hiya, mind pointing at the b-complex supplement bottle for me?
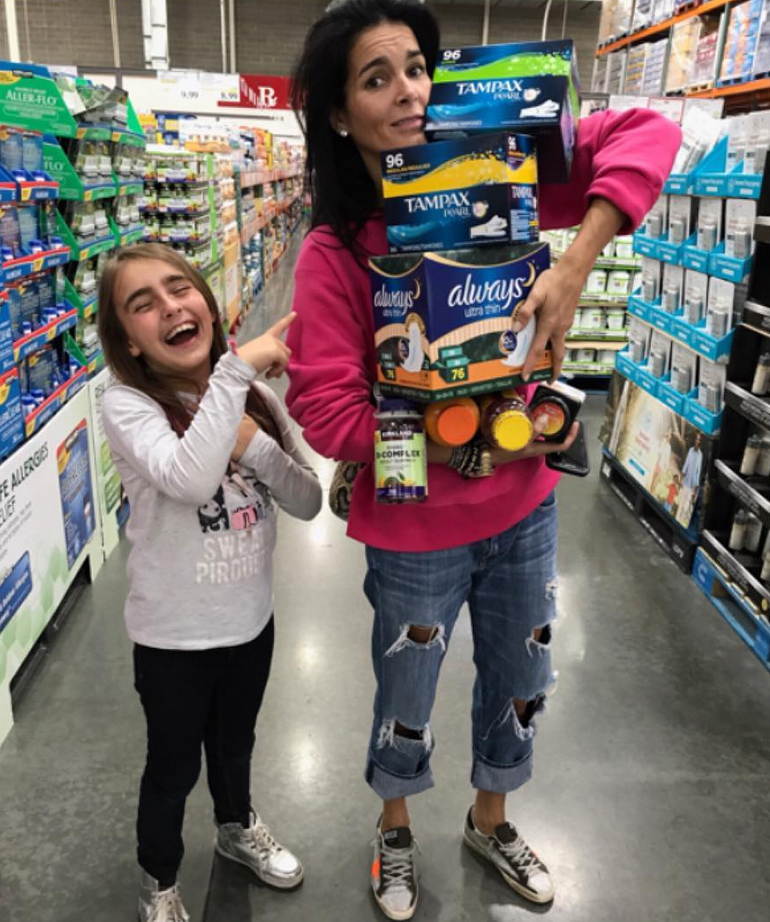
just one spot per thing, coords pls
(400, 453)
(505, 421)
(452, 422)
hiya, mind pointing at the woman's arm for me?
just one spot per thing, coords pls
(620, 164)
(285, 472)
(330, 394)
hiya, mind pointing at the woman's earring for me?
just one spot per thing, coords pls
(343, 132)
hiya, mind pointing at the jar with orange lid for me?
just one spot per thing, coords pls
(452, 422)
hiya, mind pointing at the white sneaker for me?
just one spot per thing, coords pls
(514, 859)
(394, 874)
(258, 850)
(156, 905)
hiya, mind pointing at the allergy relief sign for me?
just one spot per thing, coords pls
(462, 192)
(525, 86)
(443, 322)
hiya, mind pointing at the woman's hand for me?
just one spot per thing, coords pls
(439, 454)
(535, 448)
(247, 429)
(556, 292)
(268, 352)
(554, 297)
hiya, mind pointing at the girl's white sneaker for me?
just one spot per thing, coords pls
(255, 848)
(156, 905)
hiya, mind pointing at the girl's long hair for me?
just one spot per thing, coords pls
(343, 194)
(135, 371)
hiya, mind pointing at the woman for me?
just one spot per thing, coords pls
(361, 87)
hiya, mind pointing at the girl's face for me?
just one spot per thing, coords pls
(165, 318)
(386, 93)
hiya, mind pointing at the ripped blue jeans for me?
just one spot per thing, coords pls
(509, 583)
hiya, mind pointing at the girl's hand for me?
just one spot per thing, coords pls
(554, 297)
(535, 448)
(247, 429)
(267, 352)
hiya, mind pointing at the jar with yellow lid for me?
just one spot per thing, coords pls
(505, 421)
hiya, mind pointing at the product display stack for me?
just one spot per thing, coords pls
(69, 141)
(698, 48)
(601, 322)
(733, 564)
(463, 234)
(271, 183)
(689, 388)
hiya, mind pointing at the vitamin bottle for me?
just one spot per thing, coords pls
(400, 453)
(452, 422)
(751, 455)
(761, 383)
(505, 421)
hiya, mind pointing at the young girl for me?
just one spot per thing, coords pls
(203, 451)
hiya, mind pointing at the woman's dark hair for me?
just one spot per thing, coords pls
(343, 194)
(135, 372)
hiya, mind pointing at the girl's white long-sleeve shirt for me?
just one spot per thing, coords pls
(202, 528)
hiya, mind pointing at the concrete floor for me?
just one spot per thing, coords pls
(649, 800)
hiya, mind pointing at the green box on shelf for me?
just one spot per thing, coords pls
(77, 251)
(86, 307)
(71, 185)
(30, 98)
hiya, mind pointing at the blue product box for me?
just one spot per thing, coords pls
(626, 366)
(672, 398)
(525, 86)
(46, 292)
(6, 335)
(692, 257)
(15, 312)
(11, 416)
(729, 268)
(11, 149)
(699, 416)
(32, 152)
(462, 192)
(25, 304)
(41, 368)
(443, 322)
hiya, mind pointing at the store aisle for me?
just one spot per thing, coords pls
(649, 798)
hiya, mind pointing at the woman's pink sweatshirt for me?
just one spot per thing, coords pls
(624, 157)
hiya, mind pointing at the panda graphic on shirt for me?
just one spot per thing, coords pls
(240, 502)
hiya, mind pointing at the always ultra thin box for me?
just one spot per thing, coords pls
(527, 86)
(458, 193)
(443, 322)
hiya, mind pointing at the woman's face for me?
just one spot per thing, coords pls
(386, 93)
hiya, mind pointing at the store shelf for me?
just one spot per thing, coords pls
(712, 6)
(753, 408)
(620, 301)
(679, 544)
(23, 266)
(724, 583)
(35, 341)
(587, 342)
(588, 370)
(606, 336)
(40, 415)
(752, 492)
(734, 89)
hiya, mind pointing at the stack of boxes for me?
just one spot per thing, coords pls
(741, 41)
(462, 222)
(654, 68)
(684, 42)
